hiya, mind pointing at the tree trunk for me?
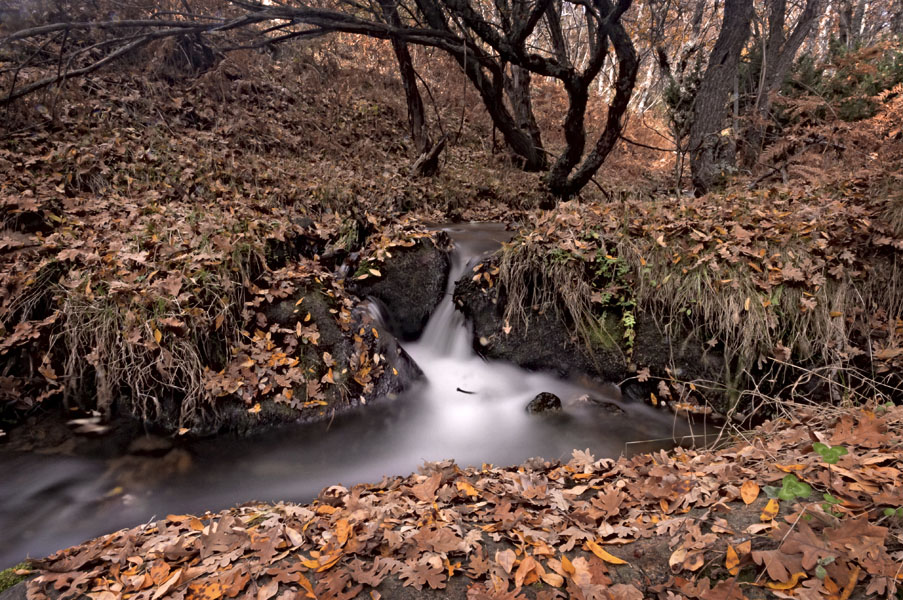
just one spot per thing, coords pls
(711, 105)
(558, 179)
(491, 91)
(416, 113)
(518, 89)
(778, 56)
(782, 51)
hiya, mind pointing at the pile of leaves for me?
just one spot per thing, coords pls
(808, 507)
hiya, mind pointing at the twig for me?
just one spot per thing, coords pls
(642, 145)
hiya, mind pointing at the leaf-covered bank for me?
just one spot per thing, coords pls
(771, 293)
(802, 507)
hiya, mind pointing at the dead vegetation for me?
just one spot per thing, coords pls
(804, 273)
(802, 507)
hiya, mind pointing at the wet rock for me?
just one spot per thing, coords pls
(16, 592)
(603, 405)
(544, 344)
(150, 445)
(411, 285)
(544, 403)
(304, 243)
(609, 407)
(387, 369)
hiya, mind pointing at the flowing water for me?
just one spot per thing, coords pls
(466, 408)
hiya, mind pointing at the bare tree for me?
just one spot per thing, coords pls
(427, 160)
(777, 52)
(489, 42)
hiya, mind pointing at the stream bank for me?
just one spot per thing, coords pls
(463, 407)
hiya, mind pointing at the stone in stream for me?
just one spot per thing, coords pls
(544, 402)
(605, 406)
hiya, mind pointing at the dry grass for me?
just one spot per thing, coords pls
(149, 359)
(535, 280)
(824, 325)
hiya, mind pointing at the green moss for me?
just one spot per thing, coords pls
(608, 332)
(8, 578)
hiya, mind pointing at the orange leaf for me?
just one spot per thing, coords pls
(794, 580)
(771, 510)
(851, 583)
(567, 565)
(329, 563)
(342, 531)
(732, 561)
(208, 590)
(598, 551)
(749, 491)
(305, 583)
(467, 488)
(527, 565)
(790, 468)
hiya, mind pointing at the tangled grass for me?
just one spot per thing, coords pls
(803, 307)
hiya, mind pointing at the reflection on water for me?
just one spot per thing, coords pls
(467, 409)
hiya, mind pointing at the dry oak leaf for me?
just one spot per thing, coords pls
(506, 559)
(624, 591)
(426, 490)
(804, 541)
(419, 574)
(778, 565)
(488, 591)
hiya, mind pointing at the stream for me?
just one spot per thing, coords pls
(52, 501)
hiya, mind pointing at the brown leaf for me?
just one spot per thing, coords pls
(749, 491)
(426, 490)
(506, 558)
(624, 591)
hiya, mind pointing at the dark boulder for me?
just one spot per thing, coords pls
(366, 362)
(609, 407)
(544, 403)
(545, 343)
(16, 592)
(600, 405)
(410, 286)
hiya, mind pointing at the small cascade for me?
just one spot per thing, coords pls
(446, 333)
(466, 408)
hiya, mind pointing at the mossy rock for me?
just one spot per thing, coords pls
(9, 577)
(548, 342)
(545, 343)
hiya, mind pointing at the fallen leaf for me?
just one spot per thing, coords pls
(603, 554)
(732, 561)
(749, 491)
(770, 511)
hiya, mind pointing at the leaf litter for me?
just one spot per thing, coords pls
(679, 524)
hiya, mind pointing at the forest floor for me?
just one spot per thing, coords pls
(141, 218)
(807, 506)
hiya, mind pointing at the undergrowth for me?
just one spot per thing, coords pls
(768, 301)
